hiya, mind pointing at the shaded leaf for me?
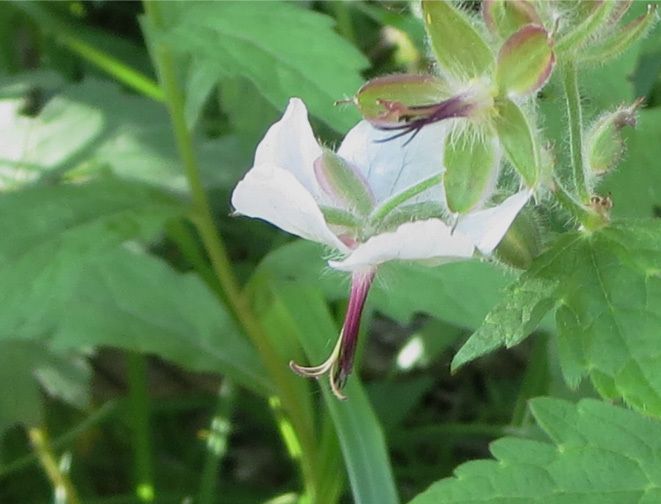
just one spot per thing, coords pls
(608, 293)
(24, 365)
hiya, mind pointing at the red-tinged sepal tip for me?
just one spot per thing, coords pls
(504, 17)
(525, 61)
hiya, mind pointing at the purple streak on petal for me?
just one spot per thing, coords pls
(361, 282)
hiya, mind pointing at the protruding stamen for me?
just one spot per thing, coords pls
(339, 364)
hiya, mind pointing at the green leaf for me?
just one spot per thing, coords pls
(50, 229)
(359, 433)
(93, 127)
(131, 300)
(397, 289)
(283, 49)
(24, 365)
(524, 305)
(599, 454)
(608, 293)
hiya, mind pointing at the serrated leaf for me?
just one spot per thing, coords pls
(283, 49)
(608, 292)
(600, 454)
(509, 322)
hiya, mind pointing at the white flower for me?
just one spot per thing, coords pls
(377, 199)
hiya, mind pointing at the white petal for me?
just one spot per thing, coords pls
(418, 240)
(487, 227)
(393, 165)
(275, 195)
(291, 145)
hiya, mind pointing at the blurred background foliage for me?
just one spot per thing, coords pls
(110, 321)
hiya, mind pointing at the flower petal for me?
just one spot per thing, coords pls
(275, 195)
(487, 227)
(390, 165)
(418, 240)
(290, 144)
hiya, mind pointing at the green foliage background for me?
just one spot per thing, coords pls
(117, 337)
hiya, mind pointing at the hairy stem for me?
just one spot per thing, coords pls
(575, 119)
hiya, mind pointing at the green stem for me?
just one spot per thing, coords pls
(394, 201)
(216, 443)
(343, 18)
(58, 478)
(63, 440)
(575, 119)
(139, 408)
(114, 67)
(535, 380)
(69, 38)
(239, 305)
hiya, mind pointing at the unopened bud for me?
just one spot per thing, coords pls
(604, 142)
(525, 61)
(504, 17)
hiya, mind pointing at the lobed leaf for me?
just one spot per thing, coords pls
(607, 286)
(598, 454)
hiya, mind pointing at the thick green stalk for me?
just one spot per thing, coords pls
(58, 478)
(575, 120)
(139, 406)
(216, 443)
(299, 416)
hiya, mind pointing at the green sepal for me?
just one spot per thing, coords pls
(590, 18)
(342, 182)
(471, 160)
(518, 140)
(338, 217)
(408, 213)
(459, 48)
(386, 100)
(525, 61)
(522, 242)
(504, 17)
(620, 40)
(604, 143)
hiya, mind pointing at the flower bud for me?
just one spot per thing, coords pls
(392, 99)
(459, 48)
(619, 40)
(518, 139)
(604, 143)
(522, 242)
(589, 18)
(525, 61)
(471, 160)
(343, 183)
(504, 17)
